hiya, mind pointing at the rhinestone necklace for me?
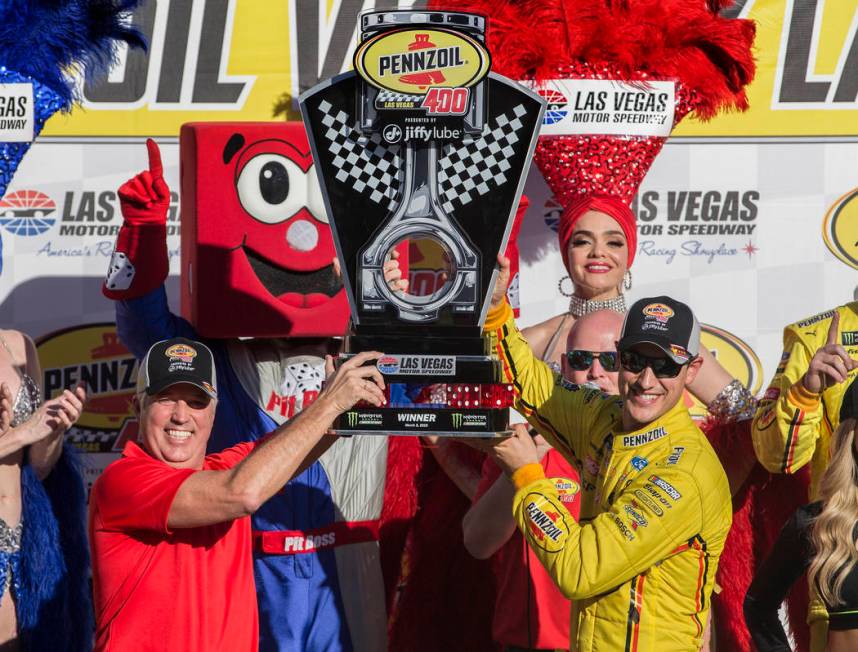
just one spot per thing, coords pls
(579, 307)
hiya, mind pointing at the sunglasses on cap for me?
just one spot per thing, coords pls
(583, 360)
(662, 367)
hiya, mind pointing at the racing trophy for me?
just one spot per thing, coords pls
(423, 151)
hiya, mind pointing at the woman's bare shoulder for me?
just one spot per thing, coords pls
(20, 345)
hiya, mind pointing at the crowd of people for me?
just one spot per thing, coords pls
(611, 506)
(232, 524)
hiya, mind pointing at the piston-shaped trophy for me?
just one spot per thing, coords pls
(422, 155)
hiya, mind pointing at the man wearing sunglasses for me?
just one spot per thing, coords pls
(591, 350)
(640, 562)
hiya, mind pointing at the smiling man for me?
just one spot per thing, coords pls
(640, 562)
(169, 526)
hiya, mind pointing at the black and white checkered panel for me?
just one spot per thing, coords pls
(389, 96)
(366, 164)
(477, 165)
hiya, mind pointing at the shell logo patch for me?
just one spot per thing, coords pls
(182, 352)
(413, 60)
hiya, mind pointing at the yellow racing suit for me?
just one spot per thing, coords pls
(655, 510)
(792, 426)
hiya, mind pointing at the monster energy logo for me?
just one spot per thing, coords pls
(849, 338)
(352, 418)
(457, 420)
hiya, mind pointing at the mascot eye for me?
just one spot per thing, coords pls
(314, 196)
(272, 188)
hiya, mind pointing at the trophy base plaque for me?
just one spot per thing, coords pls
(454, 394)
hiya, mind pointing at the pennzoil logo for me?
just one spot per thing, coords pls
(413, 60)
(93, 354)
(736, 356)
(840, 228)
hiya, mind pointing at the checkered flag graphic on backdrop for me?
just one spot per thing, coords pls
(390, 96)
(365, 163)
(471, 169)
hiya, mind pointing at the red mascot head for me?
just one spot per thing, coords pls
(257, 251)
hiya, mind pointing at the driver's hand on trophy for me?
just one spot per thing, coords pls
(512, 452)
(499, 293)
(353, 382)
(338, 272)
(393, 274)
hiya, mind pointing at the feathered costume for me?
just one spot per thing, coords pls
(709, 57)
(43, 42)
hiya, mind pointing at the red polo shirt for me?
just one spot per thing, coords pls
(161, 589)
(549, 610)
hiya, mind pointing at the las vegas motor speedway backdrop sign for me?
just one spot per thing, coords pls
(751, 218)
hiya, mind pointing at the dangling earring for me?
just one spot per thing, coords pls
(560, 287)
(627, 279)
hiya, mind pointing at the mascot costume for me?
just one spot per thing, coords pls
(709, 58)
(43, 44)
(258, 284)
(257, 263)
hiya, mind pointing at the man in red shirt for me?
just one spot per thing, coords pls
(169, 526)
(530, 612)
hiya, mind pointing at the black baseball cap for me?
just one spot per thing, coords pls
(174, 361)
(667, 323)
(849, 406)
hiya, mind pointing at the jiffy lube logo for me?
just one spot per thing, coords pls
(412, 61)
(659, 311)
(840, 228)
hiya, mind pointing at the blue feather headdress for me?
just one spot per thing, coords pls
(48, 43)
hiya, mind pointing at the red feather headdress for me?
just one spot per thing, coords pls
(686, 41)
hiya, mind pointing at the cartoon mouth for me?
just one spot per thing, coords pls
(298, 289)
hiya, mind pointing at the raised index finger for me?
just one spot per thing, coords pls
(832, 329)
(155, 166)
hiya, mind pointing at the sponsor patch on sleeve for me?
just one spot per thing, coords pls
(648, 502)
(546, 522)
(772, 394)
(665, 486)
(673, 458)
(766, 417)
(566, 489)
(783, 362)
(625, 530)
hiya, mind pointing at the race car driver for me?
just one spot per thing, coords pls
(655, 506)
(801, 409)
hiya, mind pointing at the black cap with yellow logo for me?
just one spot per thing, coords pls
(174, 361)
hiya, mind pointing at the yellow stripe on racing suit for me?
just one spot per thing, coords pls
(655, 510)
(793, 427)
